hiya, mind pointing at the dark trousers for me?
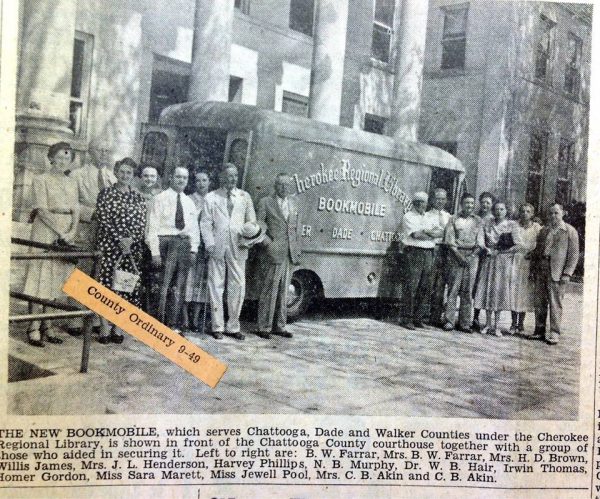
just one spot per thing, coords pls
(417, 283)
(438, 284)
(176, 261)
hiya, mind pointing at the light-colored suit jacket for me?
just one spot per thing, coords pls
(282, 235)
(564, 250)
(221, 230)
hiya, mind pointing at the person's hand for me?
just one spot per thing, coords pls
(436, 232)
(565, 279)
(156, 262)
(125, 244)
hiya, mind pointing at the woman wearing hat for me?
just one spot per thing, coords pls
(121, 214)
(55, 218)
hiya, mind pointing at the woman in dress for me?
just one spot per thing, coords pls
(522, 287)
(121, 213)
(55, 220)
(486, 202)
(195, 288)
(498, 239)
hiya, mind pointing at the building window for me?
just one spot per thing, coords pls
(302, 16)
(449, 147)
(573, 66)
(566, 163)
(544, 50)
(236, 86)
(242, 6)
(80, 82)
(382, 30)
(167, 88)
(374, 124)
(454, 37)
(294, 104)
(538, 148)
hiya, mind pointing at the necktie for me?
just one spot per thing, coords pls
(285, 208)
(229, 203)
(179, 220)
(101, 181)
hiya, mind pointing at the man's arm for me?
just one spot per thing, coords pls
(153, 223)
(207, 223)
(261, 217)
(250, 214)
(572, 252)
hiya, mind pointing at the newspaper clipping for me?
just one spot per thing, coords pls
(299, 248)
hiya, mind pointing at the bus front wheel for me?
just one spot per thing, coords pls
(304, 289)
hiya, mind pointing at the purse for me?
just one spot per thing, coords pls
(123, 280)
(505, 242)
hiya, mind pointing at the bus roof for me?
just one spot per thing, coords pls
(233, 116)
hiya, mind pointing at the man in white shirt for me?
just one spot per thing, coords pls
(95, 175)
(148, 184)
(439, 218)
(226, 210)
(418, 234)
(173, 237)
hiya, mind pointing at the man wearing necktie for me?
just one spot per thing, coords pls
(225, 212)
(278, 217)
(173, 237)
(94, 176)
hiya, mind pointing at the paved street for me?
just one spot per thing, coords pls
(340, 361)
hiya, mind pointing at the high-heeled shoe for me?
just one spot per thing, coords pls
(34, 338)
(46, 332)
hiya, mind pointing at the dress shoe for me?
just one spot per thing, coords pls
(116, 338)
(476, 326)
(448, 326)
(238, 336)
(104, 340)
(552, 339)
(46, 333)
(467, 330)
(35, 343)
(53, 339)
(283, 333)
(263, 334)
(217, 335)
(408, 325)
(419, 324)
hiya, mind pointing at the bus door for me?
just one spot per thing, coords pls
(450, 181)
(237, 151)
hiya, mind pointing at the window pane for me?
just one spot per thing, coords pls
(566, 157)
(380, 49)
(563, 189)
(544, 48)
(534, 184)
(301, 16)
(453, 54)
(384, 12)
(77, 72)
(537, 147)
(455, 22)
(294, 104)
(235, 89)
(374, 124)
(75, 116)
(167, 88)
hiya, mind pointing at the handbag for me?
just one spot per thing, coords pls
(123, 280)
(505, 242)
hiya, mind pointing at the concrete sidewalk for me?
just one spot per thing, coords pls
(340, 361)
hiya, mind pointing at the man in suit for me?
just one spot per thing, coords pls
(226, 210)
(173, 237)
(278, 215)
(556, 255)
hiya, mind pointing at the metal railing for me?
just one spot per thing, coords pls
(67, 311)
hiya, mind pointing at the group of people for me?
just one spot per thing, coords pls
(485, 261)
(187, 251)
(190, 252)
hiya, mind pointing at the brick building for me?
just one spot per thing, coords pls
(502, 85)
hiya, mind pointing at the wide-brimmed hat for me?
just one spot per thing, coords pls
(251, 234)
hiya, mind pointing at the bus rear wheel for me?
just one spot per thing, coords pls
(304, 289)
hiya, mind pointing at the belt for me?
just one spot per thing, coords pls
(174, 236)
(468, 248)
(63, 211)
(419, 248)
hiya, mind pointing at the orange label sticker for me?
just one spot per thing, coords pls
(144, 327)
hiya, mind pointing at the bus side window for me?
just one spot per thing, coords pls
(154, 151)
(238, 151)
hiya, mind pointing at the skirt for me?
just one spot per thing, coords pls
(493, 289)
(45, 278)
(522, 287)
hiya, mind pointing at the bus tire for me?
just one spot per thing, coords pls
(304, 289)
